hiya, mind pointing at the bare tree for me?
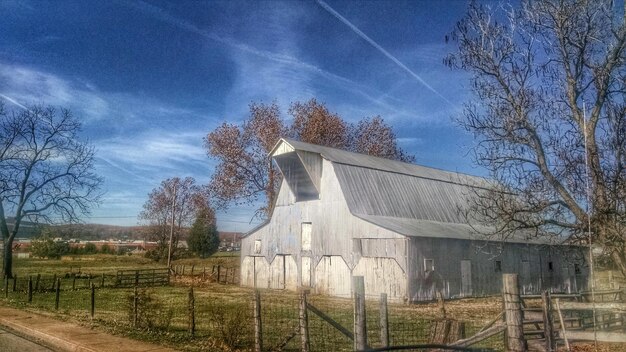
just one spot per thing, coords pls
(179, 198)
(549, 117)
(245, 174)
(46, 171)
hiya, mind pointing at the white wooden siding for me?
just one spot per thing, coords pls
(382, 275)
(306, 271)
(332, 234)
(332, 276)
(306, 236)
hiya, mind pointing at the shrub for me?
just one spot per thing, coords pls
(90, 248)
(231, 324)
(46, 247)
(151, 314)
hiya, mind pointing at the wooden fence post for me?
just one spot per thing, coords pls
(183, 270)
(442, 304)
(54, 281)
(93, 300)
(37, 282)
(102, 281)
(548, 327)
(136, 277)
(360, 326)
(30, 289)
(203, 273)
(57, 294)
(258, 328)
(384, 321)
(513, 313)
(135, 307)
(192, 268)
(192, 313)
(304, 323)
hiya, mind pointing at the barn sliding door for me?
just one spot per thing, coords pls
(466, 278)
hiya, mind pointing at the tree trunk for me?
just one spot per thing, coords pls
(270, 190)
(7, 262)
(620, 262)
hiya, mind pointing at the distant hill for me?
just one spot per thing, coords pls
(27, 229)
(99, 232)
(95, 232)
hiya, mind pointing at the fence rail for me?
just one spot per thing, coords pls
(216, 273)
(142, 277)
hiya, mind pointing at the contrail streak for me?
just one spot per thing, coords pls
(13, 101)
(356, 30)
(163, 16)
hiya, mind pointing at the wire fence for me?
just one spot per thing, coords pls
(209, 320)
(280, 326)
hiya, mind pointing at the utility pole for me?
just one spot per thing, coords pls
(169, 252)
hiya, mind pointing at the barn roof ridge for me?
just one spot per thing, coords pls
(345, 157)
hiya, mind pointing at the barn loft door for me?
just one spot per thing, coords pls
(466, 278)
(306, 271)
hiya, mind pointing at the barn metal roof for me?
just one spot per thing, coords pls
(426, 228)
(408, 199)
(372, 162)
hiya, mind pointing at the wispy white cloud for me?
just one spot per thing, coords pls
(282, 75)
(124, 112)
(410, 141)
(28, 86)
(161, 150)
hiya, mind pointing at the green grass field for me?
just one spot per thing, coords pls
(223, 313)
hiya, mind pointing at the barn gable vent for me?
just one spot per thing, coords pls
(301, 169)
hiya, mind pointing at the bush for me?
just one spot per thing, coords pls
(156, 254)
(90, 248)
(46, 247)
(231, 324)
(106, 249)
(151, 314)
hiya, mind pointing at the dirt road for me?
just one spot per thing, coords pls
(13, 343)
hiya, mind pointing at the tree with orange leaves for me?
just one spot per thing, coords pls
(245, 174)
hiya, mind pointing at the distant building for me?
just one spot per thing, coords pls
(230, 241)
(340, 214)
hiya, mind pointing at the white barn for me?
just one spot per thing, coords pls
(340, 214)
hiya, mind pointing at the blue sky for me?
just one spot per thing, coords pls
(150, 79)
